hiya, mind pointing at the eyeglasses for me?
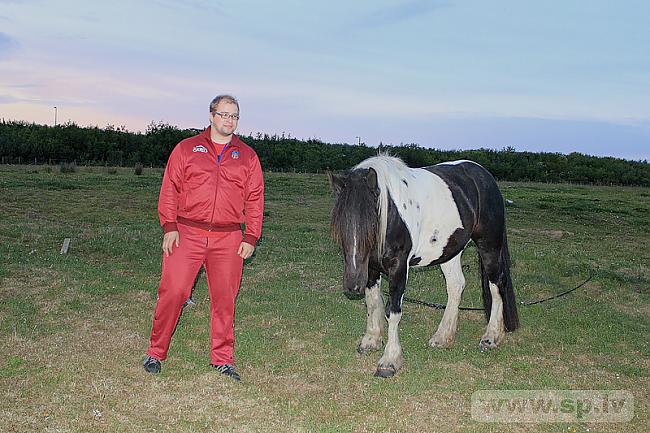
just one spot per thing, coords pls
(226, 116)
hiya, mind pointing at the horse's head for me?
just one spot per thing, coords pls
(354, 223)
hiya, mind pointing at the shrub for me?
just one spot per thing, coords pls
(68, 167)
(138, 169)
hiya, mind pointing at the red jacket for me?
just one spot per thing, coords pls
(201, 190)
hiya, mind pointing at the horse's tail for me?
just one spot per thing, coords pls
(504, 282)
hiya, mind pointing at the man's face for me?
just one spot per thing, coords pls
(225, 126)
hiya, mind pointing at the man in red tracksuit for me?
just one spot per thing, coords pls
(212, 184)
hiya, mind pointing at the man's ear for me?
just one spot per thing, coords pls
(372, 179)
(336, 182)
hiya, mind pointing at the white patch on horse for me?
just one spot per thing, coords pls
(373, 338)
(495, 331)
(354, 252)
(435, 210)
(446, 333)
(392, 358)
(460, 161)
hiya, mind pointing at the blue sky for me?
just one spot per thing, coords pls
(554, 76)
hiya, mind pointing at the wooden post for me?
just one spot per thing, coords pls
(66, 245)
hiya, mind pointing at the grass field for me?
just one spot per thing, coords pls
(74, 328)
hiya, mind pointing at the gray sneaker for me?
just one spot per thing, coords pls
(151, 365)
(227, 370)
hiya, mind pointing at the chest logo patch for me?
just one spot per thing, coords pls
(200, 148)
(235, 154)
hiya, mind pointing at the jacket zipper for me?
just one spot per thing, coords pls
(216, 186)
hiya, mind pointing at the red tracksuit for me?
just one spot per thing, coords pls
(206, 196)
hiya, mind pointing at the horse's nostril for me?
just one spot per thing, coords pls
(353, 295)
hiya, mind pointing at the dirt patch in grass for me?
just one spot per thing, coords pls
(88, 379)
(635, 305)
(641, 273)
(32, 282)
(553, 234)
(631, 303)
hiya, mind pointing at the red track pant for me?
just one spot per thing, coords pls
(223, 268)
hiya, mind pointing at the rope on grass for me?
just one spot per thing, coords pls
(525, 303)
(559, 295)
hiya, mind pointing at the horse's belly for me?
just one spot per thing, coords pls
(427, 255)
(439, 244)
(439, 233)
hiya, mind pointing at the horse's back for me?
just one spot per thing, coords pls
(475, 192)
(471, 178)
(464, 174)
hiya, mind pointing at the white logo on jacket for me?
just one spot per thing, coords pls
(200, 148)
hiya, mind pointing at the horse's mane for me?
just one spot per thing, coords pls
(389, 171)
(355, 213)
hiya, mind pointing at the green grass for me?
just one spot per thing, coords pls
(73, 328)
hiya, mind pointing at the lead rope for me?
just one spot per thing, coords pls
(525, 303)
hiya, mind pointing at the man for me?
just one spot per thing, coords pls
(212, 184)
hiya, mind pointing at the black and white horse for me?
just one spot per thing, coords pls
(389, 217)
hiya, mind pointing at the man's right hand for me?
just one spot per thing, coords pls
(169, 240)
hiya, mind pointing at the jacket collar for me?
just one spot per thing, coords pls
(234, 141)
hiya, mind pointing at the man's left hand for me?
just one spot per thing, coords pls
(245, 250)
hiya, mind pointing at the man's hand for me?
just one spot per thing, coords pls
(245, 250)
(170, 239)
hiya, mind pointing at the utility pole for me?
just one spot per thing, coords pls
(55, 116)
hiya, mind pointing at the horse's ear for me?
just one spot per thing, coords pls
(372, 179)
(336, 182)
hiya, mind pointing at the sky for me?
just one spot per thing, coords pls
(545, 76)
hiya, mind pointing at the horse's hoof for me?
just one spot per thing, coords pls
(487, 344)
(365, 350)
(385, 372)
(437, 344)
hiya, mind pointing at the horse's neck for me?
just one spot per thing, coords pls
(421, 202)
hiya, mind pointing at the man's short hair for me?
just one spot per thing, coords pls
(227, 98)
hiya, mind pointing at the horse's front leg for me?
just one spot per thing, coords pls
(446, 333)
(392, 359)
(373, 339)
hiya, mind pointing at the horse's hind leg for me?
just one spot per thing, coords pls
(492, 301)
(373, 338)
(446, 333)
(495, 331)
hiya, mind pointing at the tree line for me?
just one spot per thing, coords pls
(30, 143)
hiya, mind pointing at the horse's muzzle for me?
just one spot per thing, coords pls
(354, 283)
(354, 294)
